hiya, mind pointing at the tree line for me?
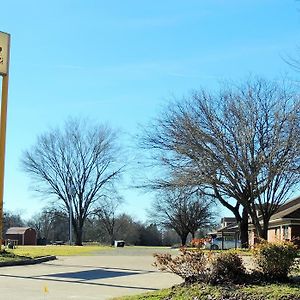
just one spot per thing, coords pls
(52, 225)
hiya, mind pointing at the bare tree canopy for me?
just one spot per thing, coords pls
(50, 224)
(183, 210)
(293, 60)
(77, 165)
(107, 214)
(11, 219)
(240, 146)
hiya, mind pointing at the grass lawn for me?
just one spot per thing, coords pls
(8, 257)
(209, 292)
(64, 250)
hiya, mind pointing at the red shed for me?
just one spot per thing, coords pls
(24, 235)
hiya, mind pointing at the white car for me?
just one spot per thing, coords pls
(216, 244)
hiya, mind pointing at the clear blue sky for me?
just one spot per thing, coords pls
(118, 62)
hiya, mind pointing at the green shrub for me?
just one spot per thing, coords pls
(275, 260)
(227, 267)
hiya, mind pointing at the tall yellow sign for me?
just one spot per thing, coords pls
(4, 71)
(4, 53)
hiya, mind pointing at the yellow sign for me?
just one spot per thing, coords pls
(4, 52)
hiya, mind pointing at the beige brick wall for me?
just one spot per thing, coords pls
(271, 235)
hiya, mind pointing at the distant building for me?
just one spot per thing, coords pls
(284, 224)
(227, 233)
(23, 235)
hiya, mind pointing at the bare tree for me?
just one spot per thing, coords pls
(128, 229)
(50, 225)
(11, 219)
(107, 215)
(293, 60)
(181, 210)
(200, 214)
(77, 165)
(239, 146)
(42, 223)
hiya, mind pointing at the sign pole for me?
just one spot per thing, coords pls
(2, 147)
(5, 61)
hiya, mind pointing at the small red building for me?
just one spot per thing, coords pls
(23, 235)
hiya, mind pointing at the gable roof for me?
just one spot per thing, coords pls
(287, 208)
(228, 220)
(17, 230)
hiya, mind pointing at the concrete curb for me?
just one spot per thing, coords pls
(32, 261)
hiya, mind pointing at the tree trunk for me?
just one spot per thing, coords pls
(261, 228)
(243, 227)
(183, 237)
(78, 237)
(263, 234)
(242, 221)
(78, 233)
(112, 239)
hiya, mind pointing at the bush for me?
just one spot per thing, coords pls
(199, 243)
(190, 265)
(275, 260)
(227, 267)
(199, 266)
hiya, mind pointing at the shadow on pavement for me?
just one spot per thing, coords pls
(104, 268)
(92, 274)
(80, 282)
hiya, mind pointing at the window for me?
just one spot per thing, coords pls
(285, 232)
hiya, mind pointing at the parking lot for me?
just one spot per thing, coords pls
(103, 275)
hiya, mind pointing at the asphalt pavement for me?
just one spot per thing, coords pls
(103, 275)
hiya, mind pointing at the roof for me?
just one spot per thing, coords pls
(229, 229)
(287, 208)
(228, 220)
(289, 204)
(17, 230)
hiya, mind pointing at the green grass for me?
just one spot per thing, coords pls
(148, 247)
(64, 250)
(205, 292)
(9, 257)
(6, 256)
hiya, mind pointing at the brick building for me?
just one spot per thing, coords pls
(284, 224)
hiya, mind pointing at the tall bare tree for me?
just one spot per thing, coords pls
(181, 210)
(77, 165)
(240, 146)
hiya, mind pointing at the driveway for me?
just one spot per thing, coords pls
(103, 275)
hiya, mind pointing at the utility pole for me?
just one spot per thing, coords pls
(71, 195)
(4, 72)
